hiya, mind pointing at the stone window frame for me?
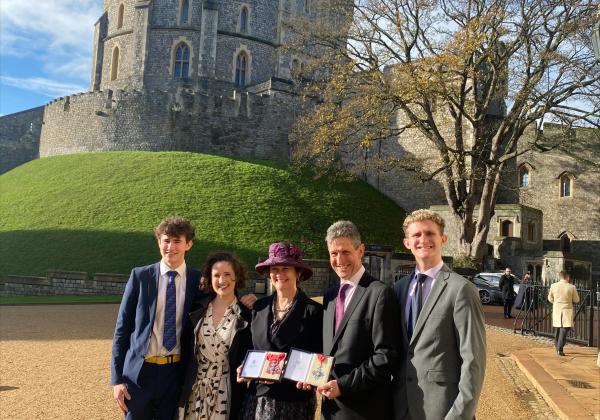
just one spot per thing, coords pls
(176, 42)
(188, 13)
(501, 223)
(529, 169)
(571, 178)
(531, 231)
(569, 237)
(248, 77)
(306, 7)
(120, 15)
(114, 70)
(246, 30)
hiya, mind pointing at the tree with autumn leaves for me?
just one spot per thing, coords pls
(468, 76)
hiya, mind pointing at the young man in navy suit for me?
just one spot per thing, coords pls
(152, 329)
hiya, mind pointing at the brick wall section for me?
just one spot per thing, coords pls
(19, 138)
(239, 125)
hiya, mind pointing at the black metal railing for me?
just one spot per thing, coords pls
(535, 314)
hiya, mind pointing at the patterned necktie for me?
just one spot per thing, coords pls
(339, 305)
(170, 327)
(416, 304)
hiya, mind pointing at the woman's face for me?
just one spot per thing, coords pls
(223, 279)
(283, 277)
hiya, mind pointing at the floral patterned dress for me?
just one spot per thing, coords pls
(210, 393)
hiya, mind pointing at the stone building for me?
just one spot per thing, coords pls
(212, 76)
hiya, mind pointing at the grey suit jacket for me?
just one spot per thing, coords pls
(442, 372)
(365, 349)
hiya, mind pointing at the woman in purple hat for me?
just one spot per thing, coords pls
(288, 318)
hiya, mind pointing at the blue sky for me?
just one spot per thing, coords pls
(45, 50)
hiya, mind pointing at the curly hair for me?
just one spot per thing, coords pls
(175, 226)
(241, 274)
(421, 215)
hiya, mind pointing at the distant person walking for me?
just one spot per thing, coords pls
(562, 295)
(507, 286)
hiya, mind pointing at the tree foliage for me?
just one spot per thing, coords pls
(467, 77)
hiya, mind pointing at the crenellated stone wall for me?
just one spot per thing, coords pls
(240, 124)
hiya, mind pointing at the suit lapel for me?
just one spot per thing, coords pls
(153, 274)
(403, 302)
(436, 291)
(329, 324)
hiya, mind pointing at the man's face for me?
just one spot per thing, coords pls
(173, 249)
(425, 241)
(508, 271)
(344, 258)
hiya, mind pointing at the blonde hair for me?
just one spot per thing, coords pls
(421, 215)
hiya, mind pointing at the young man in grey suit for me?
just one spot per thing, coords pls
(360, 329)
(443, 333)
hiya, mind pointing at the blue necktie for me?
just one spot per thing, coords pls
(416, 304)
(170, 327)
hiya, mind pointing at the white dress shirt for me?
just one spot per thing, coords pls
(155, 347)
(427, 285)
(352, 282)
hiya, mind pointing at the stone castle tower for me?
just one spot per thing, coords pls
(188, 75)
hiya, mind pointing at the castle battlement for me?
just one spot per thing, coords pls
(232, 123)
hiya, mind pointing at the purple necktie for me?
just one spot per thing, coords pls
(339, 305)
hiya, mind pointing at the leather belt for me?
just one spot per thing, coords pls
(163, 360)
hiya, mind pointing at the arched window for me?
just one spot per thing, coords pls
(506, 228)
(241, 68)
(114, 64)
(295, 68)
(524, 177)
(565, 186)
(184, 12)
(181, 65)
(120, 16)
(565, 243)
(244, 20)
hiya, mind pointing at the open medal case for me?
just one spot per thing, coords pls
(266, 365)
(312, 368)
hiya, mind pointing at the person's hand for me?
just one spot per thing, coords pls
(248, 300)
(241, 380)
(120, 392)
(304, 386)
(330, 390)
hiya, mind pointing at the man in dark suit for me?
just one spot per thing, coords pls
(507, 286)
(443, 333)
(153, 330)
(361, 330)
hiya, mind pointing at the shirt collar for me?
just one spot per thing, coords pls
(164, 269)
(353, 281)
(432, 272)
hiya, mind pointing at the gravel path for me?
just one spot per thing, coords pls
(54, 364)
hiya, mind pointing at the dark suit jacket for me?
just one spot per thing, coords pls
(136, 319)
(242, 341)
(443, 364)
(301, 329)
(506, 285)
(365, 350)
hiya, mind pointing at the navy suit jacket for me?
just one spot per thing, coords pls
(136, 319)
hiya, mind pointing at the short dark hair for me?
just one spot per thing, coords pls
(564, 274)
(241, 274)
(175, 226)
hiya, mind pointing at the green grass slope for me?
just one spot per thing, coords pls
(95, 212)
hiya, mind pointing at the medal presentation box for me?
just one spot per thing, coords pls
(312, 368)
(266, 365)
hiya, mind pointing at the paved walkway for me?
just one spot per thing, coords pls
(570, 385)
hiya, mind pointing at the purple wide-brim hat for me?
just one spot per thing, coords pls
(281, 253)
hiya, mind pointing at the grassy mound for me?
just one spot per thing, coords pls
(95, 212)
